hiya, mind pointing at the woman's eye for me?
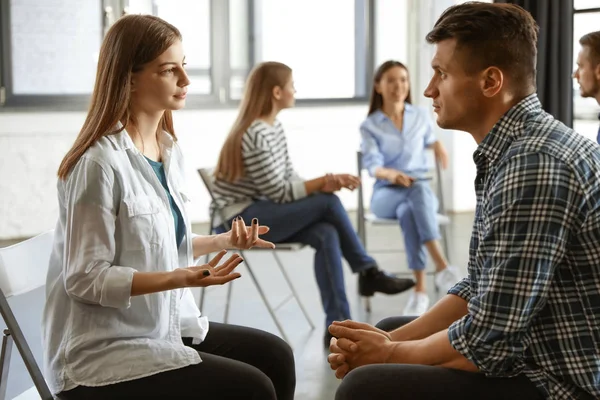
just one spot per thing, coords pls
(167, 71)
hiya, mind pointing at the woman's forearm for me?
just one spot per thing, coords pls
(152, 282)
(208, 244)
(386, 174)
(314, 185)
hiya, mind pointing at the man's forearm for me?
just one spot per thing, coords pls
(449, 309)
(434, 350)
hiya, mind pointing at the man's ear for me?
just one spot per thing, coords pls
(597, 72)
(492, 81)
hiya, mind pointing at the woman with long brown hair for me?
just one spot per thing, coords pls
(395, 136)
(255, 178)
(120, 320)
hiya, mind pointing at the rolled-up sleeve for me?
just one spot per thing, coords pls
(533, 209)
(89, 273)
(372, 157)
(462, 289)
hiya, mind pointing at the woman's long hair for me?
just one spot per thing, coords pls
(131, 42)
(376, 101)
(257, 102)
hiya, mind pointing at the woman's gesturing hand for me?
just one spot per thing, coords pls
(208, 274)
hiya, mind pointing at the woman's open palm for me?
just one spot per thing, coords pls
(209, 274)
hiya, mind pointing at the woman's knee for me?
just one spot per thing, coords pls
(257, 385)
(280, 351)
(323, 235)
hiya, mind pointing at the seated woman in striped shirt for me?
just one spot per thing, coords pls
(395, 137)
(255, 179)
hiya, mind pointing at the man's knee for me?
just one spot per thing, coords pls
(390, 323)
(357, 384)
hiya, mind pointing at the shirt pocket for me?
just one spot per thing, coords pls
(143, 223)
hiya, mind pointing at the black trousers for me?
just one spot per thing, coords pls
(422, 382)
(237, 363)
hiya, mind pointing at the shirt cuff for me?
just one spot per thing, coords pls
(298, 189)
(372, 169)
(456, 333)
(116, 288)
(461, 289)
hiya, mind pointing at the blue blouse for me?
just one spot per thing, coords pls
(384, 145)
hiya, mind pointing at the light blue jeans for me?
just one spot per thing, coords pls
(415, 208)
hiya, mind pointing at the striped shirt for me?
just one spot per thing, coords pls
(269, 173)
(533, 288)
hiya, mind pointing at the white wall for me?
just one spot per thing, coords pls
(321, 139)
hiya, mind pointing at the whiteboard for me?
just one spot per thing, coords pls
(54, 46)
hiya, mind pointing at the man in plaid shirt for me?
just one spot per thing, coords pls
(525, 323)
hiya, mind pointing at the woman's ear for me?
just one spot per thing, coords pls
(277, 93)
(132, 84)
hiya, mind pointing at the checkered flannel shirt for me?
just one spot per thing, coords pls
(533, 289)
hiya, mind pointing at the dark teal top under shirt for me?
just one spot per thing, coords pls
(159, 170)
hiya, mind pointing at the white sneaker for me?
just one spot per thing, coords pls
(417, 304)
(447, 278)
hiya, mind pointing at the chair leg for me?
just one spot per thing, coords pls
(5, 353)
(264, 299)
(291, 286)
(445, 242)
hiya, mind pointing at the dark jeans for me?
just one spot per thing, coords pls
(237, 363)
(422, 382)
(321, 222)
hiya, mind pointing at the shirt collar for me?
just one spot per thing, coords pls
(507, 129)
(379, 116)
(122, 140)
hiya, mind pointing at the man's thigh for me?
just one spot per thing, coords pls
(421, 382)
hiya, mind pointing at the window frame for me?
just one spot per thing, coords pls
(220, 71)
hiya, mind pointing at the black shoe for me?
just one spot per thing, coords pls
(376, 280)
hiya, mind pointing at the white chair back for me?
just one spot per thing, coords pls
(23, 269)
(23, 266)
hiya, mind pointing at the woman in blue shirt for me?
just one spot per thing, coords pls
(395, 138)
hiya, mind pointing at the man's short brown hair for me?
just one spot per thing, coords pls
(592, 42)
(500, 35)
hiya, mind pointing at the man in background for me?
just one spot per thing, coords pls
(588, 68)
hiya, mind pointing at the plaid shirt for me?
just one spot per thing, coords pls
(533, 289)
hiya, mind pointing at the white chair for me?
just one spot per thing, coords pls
(23, 269)
(207, 177)
(364, 218)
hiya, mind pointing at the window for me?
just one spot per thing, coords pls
(322, 57)
(586, 4)
(51, 61)
(586, 17)
(49, 50)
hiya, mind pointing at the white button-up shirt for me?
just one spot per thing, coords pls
(115, 219)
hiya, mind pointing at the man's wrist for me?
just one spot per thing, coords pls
(390, 352)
